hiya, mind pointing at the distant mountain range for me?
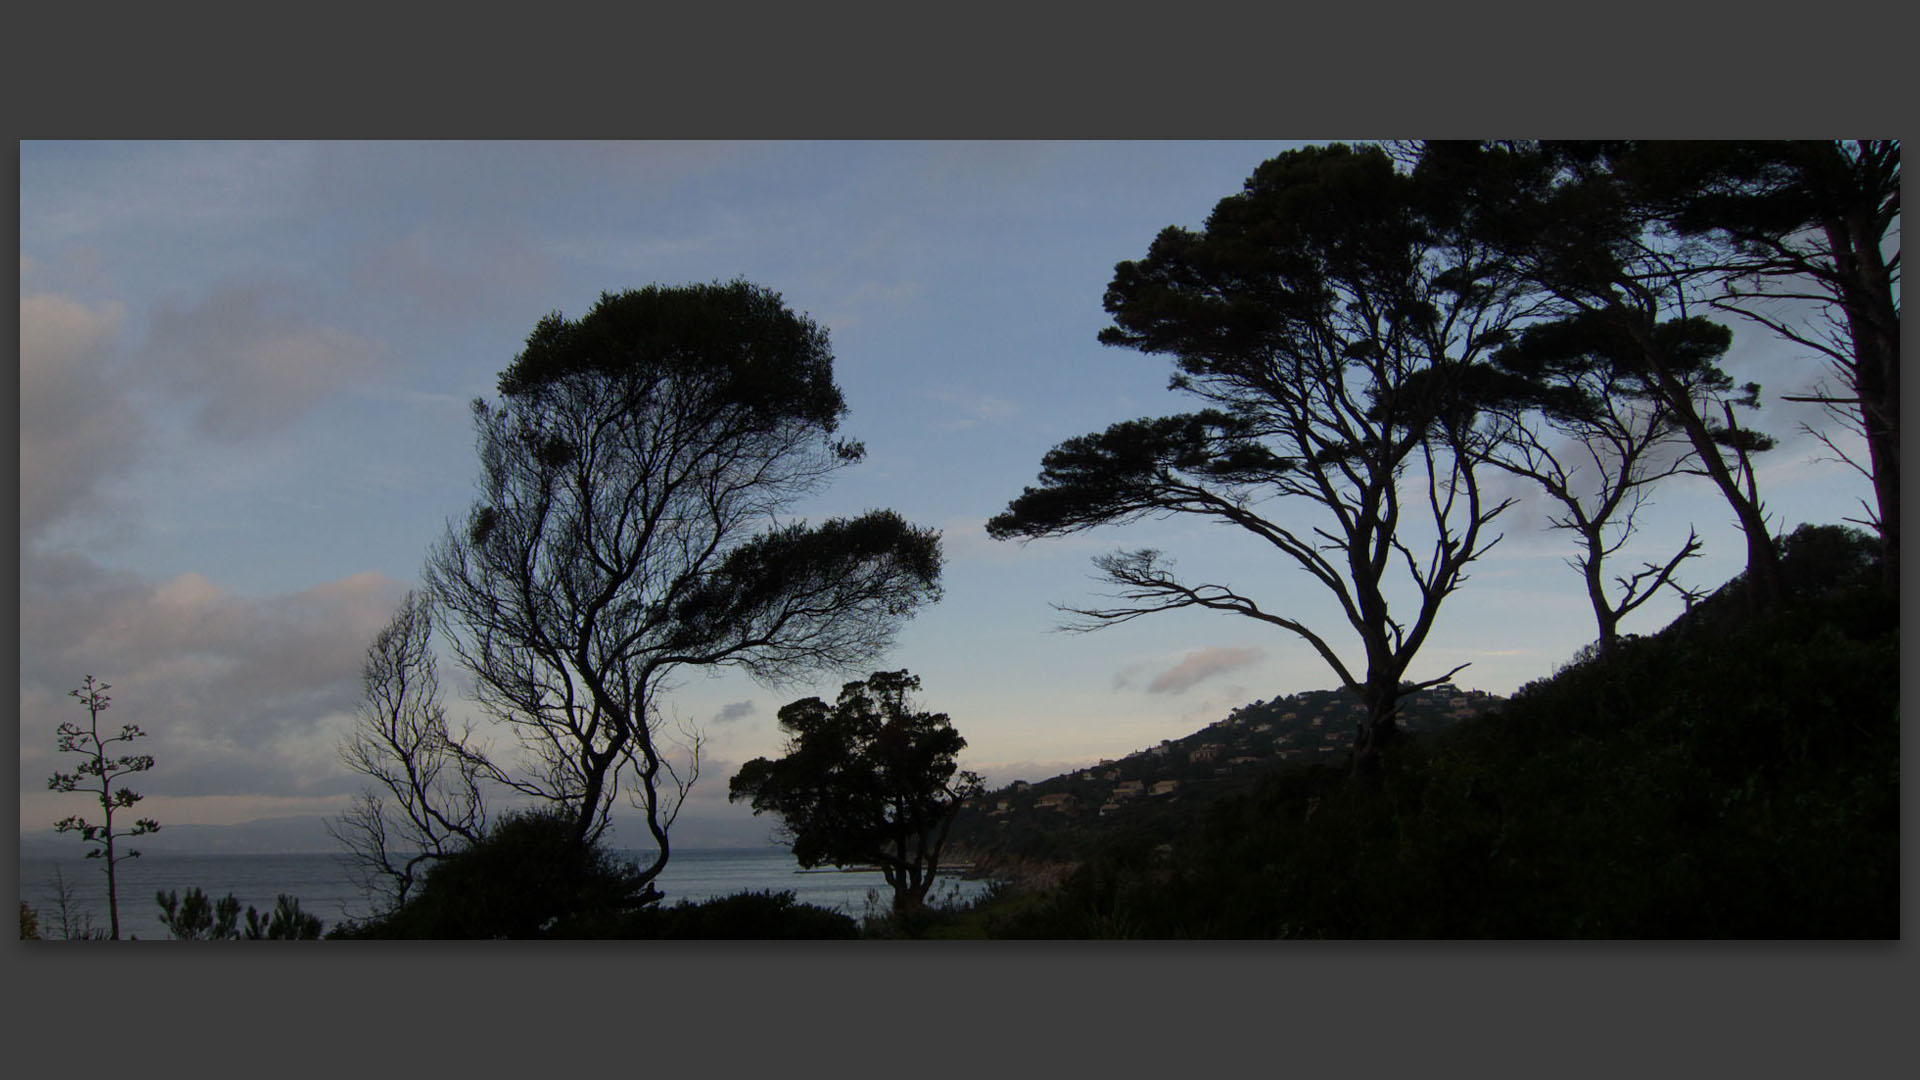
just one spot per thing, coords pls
(269, 836)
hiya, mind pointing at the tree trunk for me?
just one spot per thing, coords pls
(1764, 591)
(1873, 324)
(1380, 728)
(1604, 615)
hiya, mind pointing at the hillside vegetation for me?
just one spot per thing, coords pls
(1728, 777)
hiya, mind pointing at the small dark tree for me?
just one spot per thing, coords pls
(428, 800)
(1579, 229)
(1571, 408)
(1804, 240)
(76, 922)
(196, 917)
(285, 923)
(866, 781)
(1303, 314)
(97, 768)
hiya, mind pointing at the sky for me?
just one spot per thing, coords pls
(245, 370)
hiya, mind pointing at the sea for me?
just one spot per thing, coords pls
(323, 885)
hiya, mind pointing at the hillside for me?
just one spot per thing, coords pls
(1064, 816)
(1735, 775)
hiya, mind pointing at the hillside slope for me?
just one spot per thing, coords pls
(1728, 777)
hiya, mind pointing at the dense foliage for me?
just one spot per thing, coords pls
(869, 780)
(529, 876)
(197, 917)
(1326, 316)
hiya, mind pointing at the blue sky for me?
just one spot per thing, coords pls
(244, 376)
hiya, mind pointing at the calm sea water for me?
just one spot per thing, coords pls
(324, 887)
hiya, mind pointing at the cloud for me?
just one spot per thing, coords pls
(851, 307)
(975, 409)
(76, 427)
(241, 695)
(251, 365)
(437, 273)
(734, 711)
(963, 538)
(1203, 664)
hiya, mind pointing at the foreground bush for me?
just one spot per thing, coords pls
(527, 878)
(766, 915)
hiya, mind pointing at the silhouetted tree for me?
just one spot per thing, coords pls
(1589, 239)
(95, 764)
(196, 917)
(429, 801)
(76, 922)
(1573, 410)
(286, 922)
(866, 781)
(1805, 242)
(633, 479)
(1301, 313)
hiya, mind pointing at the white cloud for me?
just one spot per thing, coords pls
(1203, 664)
(240, 695)
(853, 306)
(435, 274)
(76, 427)
(248, 362)
(974, 409)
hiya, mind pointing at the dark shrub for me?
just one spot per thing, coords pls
(527, 878)
(762, 915)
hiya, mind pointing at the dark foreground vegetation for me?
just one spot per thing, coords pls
(1728, 777)
(1731, 776)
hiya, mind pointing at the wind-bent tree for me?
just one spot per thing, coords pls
(95, 763)
(634, 481)
(1573, 410)
(1582, 233)
(427, 801)
(1805, 242)
(867, 781)
(1301, 314)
